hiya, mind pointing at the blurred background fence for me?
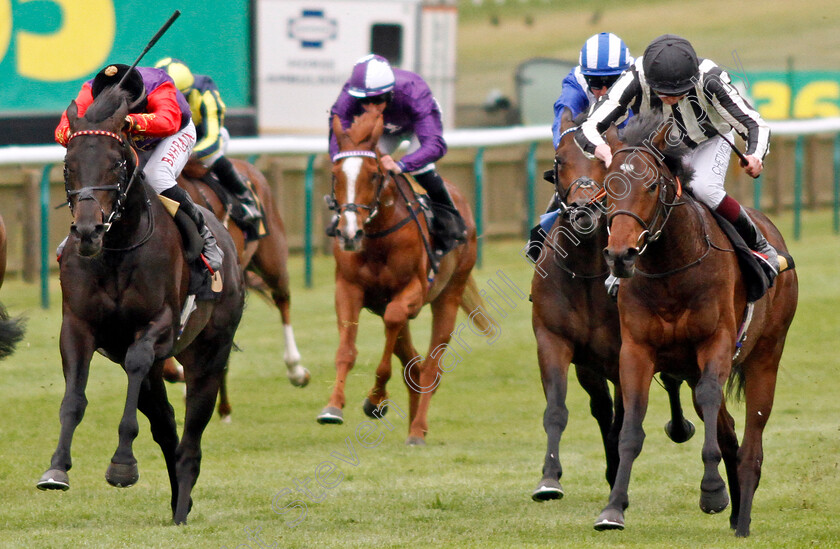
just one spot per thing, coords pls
(499, 169)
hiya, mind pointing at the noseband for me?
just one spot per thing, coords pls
(663, 208)
(373, 206)
(121, 190)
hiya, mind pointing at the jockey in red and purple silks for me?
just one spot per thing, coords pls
(161, 129)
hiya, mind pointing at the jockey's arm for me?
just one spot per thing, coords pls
(83, 101)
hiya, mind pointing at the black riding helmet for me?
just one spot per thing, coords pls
(133, 84)
(670, 65)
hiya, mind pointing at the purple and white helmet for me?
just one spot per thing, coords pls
(372, 76)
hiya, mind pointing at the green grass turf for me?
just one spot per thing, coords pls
(470, 487)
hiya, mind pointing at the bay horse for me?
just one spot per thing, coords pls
(680, 307)
(267, 258)
(124, 281)
(11, 329)
(575, 320)
(383, 265)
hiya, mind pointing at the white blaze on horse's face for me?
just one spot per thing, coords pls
(351, 167)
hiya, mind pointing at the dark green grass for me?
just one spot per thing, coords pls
(470, 487)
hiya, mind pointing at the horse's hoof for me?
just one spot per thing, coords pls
(610, 519)
(715, 501)
(330, 415)
(54, 479)
(415, 441)
(122, 475)
(683, 436)
(371, 410)
(299, 376)
(548, 489)
(225, 419)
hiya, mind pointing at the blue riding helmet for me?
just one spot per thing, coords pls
(604, 54)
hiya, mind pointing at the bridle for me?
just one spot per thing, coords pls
(373, 205)
(122, 187)
(651, 231)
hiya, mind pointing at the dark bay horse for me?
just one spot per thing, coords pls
(681, 313)
(573, 318)
(11, 329)
(267, 258)
(124, 281)
(382, 265)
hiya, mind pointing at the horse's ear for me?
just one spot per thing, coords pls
(612, 137)
(659, 140)
(72, 114)
(378, 128)
(337, 130)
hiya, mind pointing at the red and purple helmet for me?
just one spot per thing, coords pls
(372, 76)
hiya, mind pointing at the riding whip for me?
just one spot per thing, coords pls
(151, 43)
(732, 146)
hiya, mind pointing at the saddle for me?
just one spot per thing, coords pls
(756, 279)
(252, 231)
(438, 218)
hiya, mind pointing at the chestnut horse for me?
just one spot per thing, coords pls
(267, 258)
(124, 281)
(573, 318)
(11, 329)
(681, 313)
(382, 265)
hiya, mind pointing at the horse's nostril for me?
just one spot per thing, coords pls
(359, 234)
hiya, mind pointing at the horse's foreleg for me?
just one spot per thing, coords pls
(636, 371)
(760, 369)
(601, 408)
(406, 352)
(712, 359)
(679, 429)
(139, 358)
(396, 320)
(154, 404)
(348, 305)
(553, 355)
(77, 346)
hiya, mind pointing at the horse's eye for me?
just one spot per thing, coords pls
(651, 187)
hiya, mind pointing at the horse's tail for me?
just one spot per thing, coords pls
(11, 332)
(736, 383)
(470, 301)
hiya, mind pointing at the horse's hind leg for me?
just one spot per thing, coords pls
(76, 351)
(601, 408)
(269, 263)
(553, 356)
(154, 404)
(760, 368)
(728, 441)
(204, 366)
(679, 429)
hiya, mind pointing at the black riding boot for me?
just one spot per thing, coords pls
(766, 254)
(248, 211)
(211, 251)
(448, 225)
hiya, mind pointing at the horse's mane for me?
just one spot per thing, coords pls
(106, 104)
(640, 131)
(362, 127)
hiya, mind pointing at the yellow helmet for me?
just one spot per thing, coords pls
(178, 71)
